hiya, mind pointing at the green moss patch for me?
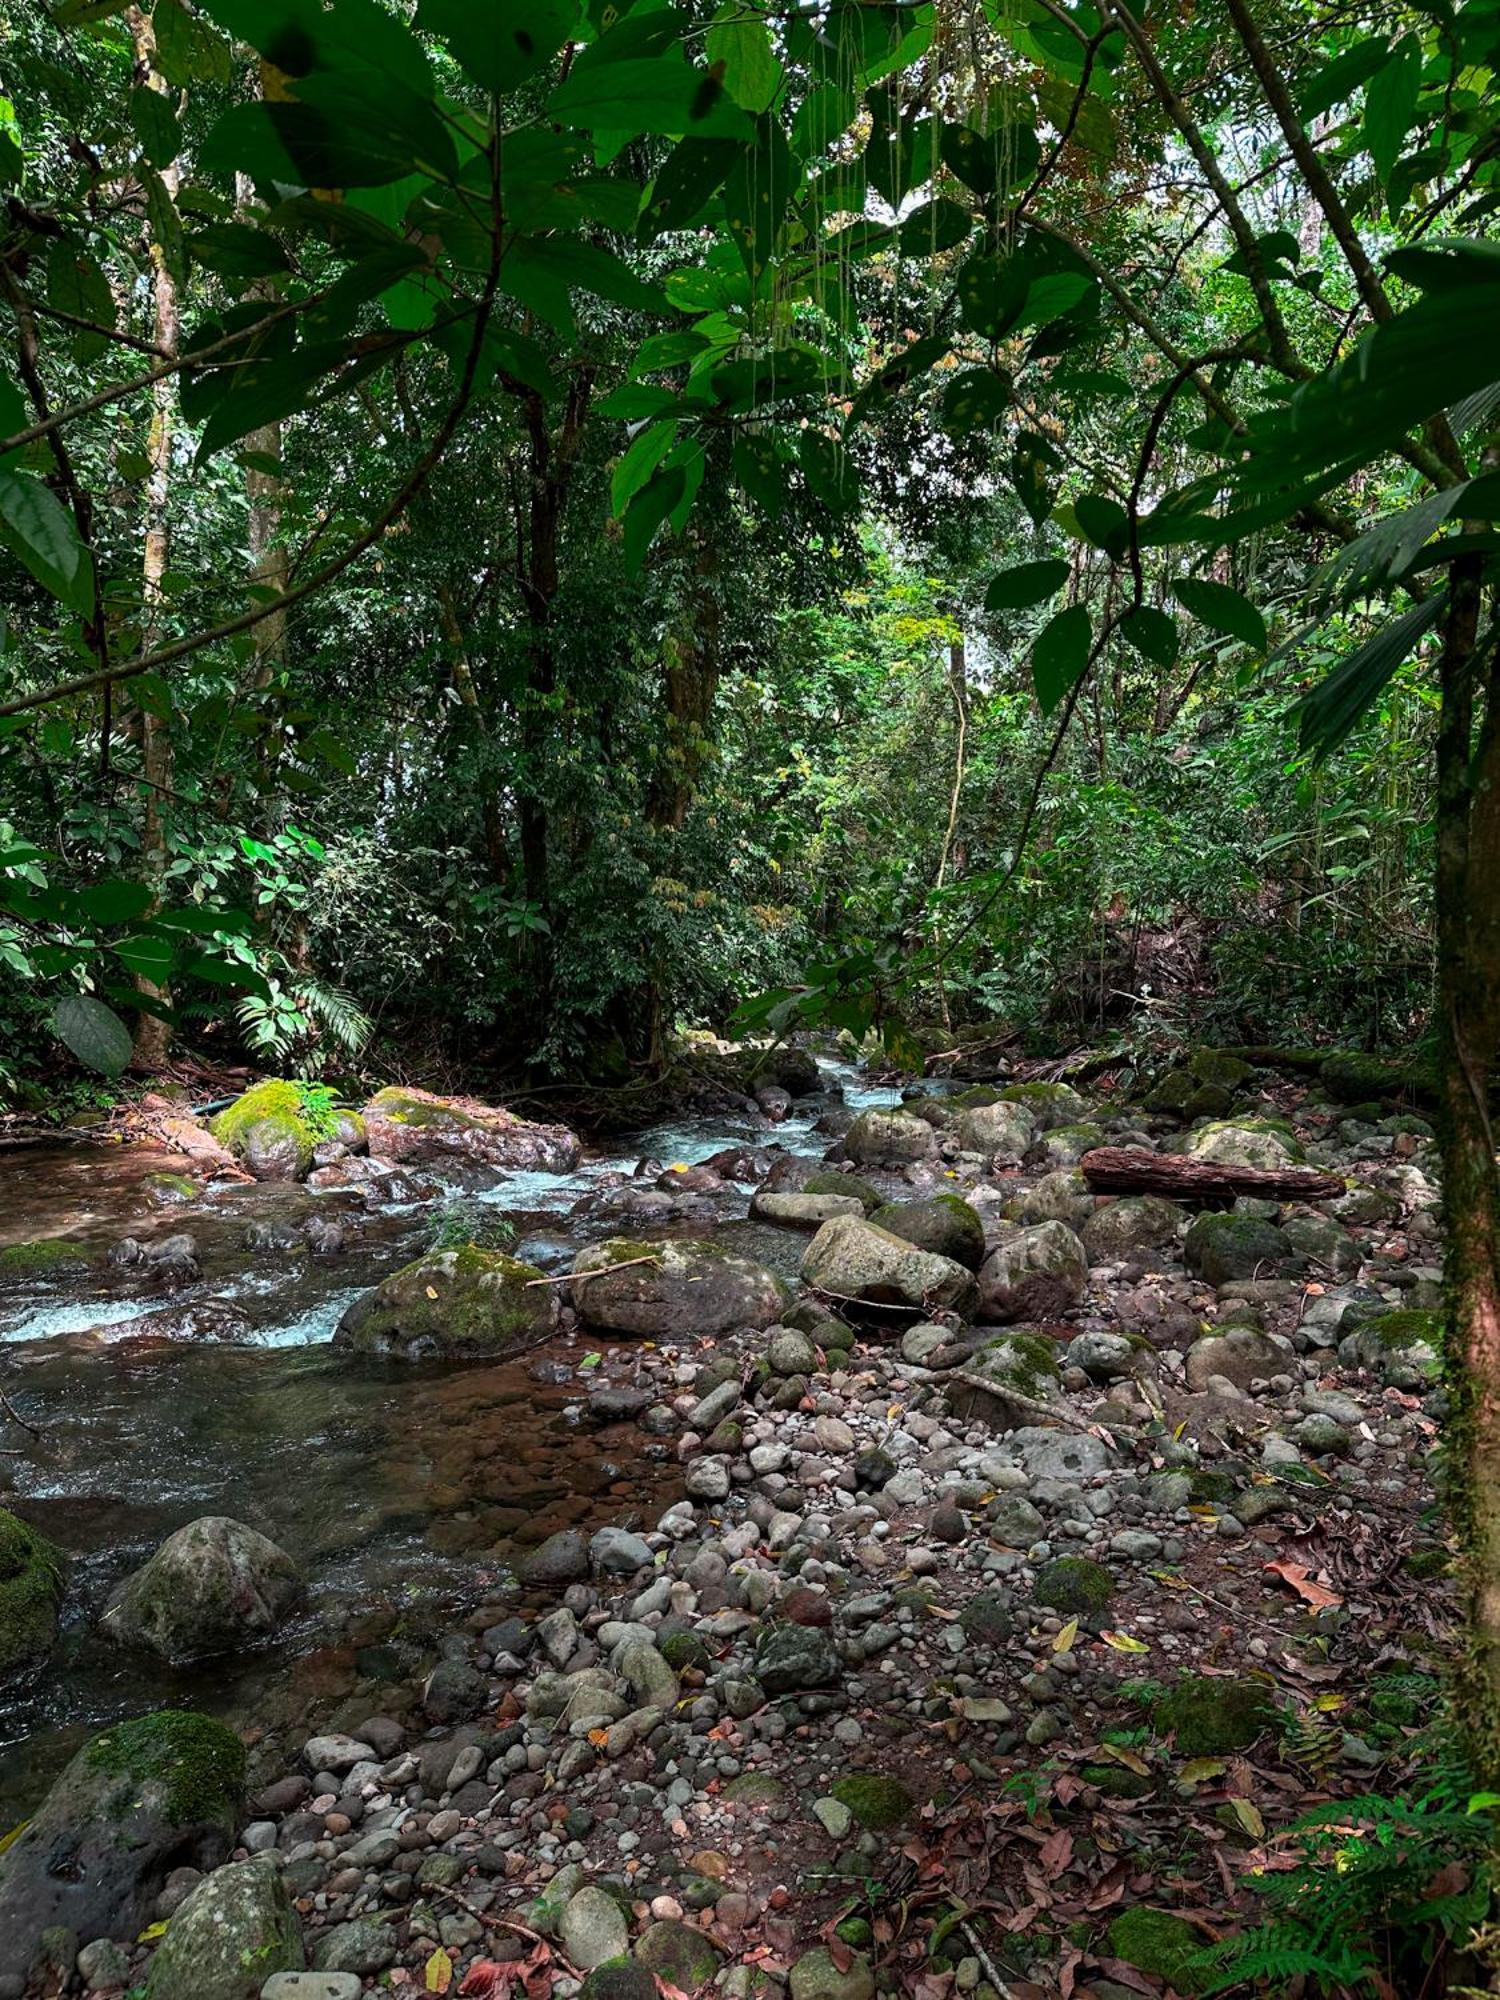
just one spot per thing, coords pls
(200, 1763)
(849, 1184)
(1154, 1941)
(46, 1254)
(32, 1572)
(301, 1112)
(874, 1801)
(1073, 1585)
(1209, 1718)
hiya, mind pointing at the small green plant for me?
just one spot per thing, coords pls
(1384, 1890)
(463, 1220)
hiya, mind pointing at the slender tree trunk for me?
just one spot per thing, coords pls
(153, 1035)
(1468, 928)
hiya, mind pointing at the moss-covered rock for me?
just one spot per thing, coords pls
(32, 1574)
(1024, 1362)
(403, 1123)
(1210, 1718)
(1221, 1248)
(1002, 1133)
(1130, 1227)
(35, 1259)
(866, 1268)
(675, 1289)
(274, 1127)
(159, 1792)
(1116, 1782)
(845, 1184)
(945, 1224)
(212, 1587)
(882, 1138)
(1065, 1145)
(1049, 1103)
(234, 1930)
(1350, 1077)
(1039, 1273)
(1073, 1585)
(875, 1802)
(1154, 1941)
(452, 1305)
(1247, 1142)
(678, 1954)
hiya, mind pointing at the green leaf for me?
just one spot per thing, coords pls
(500, 42)
(39, 530)
(188, 49)
(1060, 654)
(648, 510)
(899, 152)
(1391, 105)
(992, 293)
(1103, 522)
(649, 94)
(689, 178)
(756, 194)
(1339, 79)
(987, 162)
(1221, 609)
(165, 223)
(645, 453)
(1029, 463)
(237, 251)
(114, 902)
(827, 469)
(1152, 633)
(1026, 584)
(976, 400)
(761, 471)
(933, 228)
(94, 1033)
(340, 134)
(151, 957)
(77, 285)
(155, 124)
(1330, 712)
(739, 44)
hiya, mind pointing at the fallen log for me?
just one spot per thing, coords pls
(1131, 1170)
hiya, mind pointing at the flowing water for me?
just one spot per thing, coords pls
(403, 1495)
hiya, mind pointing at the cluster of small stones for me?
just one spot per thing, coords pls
(642, 1752)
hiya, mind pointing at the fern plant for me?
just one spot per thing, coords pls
(1384, 1887)
(298, 1014)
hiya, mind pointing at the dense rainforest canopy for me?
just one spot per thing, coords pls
(534, 530)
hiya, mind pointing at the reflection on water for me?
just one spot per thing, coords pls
(400, 1494)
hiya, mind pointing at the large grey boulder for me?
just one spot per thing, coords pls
(1002, 1132)
(235, 1929)
(889, 1139)
(853, 1261)
(686, 1288)
(1244, 1146)
(802, 1211)
(161, 1792)
(1131, 1227)
(32, 1572)
(1049, 1103)
(1039, 1273)
(944, 1224)
(465, 1304)
(1221, 1249)
(213, 1587)
(1240, 1354)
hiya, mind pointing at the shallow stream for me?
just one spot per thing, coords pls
(403, 1495)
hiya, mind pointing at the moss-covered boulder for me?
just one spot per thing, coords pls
(802, 1211)
(1039, 1273)
(875, 1802)
(945, 1224)
(889, 1139)
(824, 1182)
(1131, 1228)
(1049, 1103)
(273, 1128)
(1061, 1196)
(866, 1268)
(1026, 1363)
(32, 1574)
(1240, 1354)
(161, 1792)
(1003, 1133)
(1065, 1145)
(1209, 1717)
(678, 1954)
(1221, 1249)
(234, 1930)
(683, 1288)
(1404, 1348)
(1073, 1585)
(1257, 1142)
(1156, 1942)
(403, 1123)
(1351, 1077)
(213, 1587)
(466, 1304)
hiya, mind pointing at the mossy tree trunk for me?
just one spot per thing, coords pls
(1468, 926)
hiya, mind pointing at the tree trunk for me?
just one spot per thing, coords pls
(1468, 943)
(153, 1034)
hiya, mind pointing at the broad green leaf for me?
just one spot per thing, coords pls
(188, 49)
(39, 530)
(1152, 633)
(761, 471)
(114, 902)
(1331, 711)
(156, 126)
(500, 42)
(1222, 609)
(823, 117)
(236, 251)
(933, 228)
(689, 178)
(648, 510)
(1103, 522)
(1060, 655)
(992, 293)
(976, 400)
(335, 136)
(645, 453)
(1339, 79)
(739, 40)
(76, 285)
(898, 155)
(1005, 157)
(94, 1033)
(1029, 464)
(1026, 584)
(649, 94)
(1391, 105)
(827, 469)
(756, 194)
(151, 957)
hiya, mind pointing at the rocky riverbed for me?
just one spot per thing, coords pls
(883, 1564)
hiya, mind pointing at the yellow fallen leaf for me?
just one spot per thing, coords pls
(1249, 1818)
(1116, 1755)
(152, 1931)
(1063, 1643)
(1330, 1704)
(9, 1839)
(1197, 1770)
(439, 1972)
(431, 1291)
(1123, 1643)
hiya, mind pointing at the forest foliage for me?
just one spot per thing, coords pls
(524, 526)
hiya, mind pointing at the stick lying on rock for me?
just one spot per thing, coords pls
(1129, 1170)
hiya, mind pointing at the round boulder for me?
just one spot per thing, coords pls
(235, 1929)
(213, 1587)
(855, 1262)
(31, 1590)
(402, 1123)
(945, 1225)
(466, 1304)
(889, 1138)
(1039, 1273)
(673, 1290)
(1130, 1228)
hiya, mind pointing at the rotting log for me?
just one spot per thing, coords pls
(1178, 1176)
